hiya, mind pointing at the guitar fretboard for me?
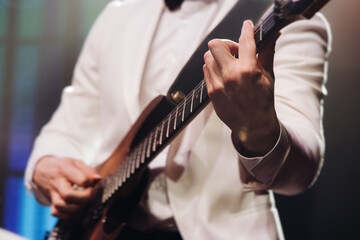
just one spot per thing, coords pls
(193, 103)
(157, 139)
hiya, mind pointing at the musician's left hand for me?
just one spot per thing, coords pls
(242, 89)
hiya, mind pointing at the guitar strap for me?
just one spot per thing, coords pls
(229, 28)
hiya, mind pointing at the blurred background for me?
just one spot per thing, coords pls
(39, 44)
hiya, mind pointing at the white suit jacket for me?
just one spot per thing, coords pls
(206, 194)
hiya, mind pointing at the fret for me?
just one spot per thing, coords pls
(121, 172)
(196, 99)
(201, 92)
(128, 170)
(108, 186)
(172, 122)
(138, 157)
(117, 177)
(128, 166)
(113, 185)
(162, 132)
(133, 161)
(261, 30)
(154, 142)
(179, 116)
(149, 146)
(126, 161)
(143, 151)
(192, 101)
(124, 169)
(168, 126)
(158, 136)
(103, 198)
(175, 118)
(187, 110)
(183, 110)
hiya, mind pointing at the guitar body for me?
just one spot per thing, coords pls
(109, 224)
(116, 213)
(105, 222)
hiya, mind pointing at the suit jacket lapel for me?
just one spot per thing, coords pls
(138, 36)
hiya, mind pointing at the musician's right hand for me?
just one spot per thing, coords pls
(68, 183)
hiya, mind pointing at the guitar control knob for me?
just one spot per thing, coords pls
(177, 96)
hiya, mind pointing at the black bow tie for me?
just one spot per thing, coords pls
(173, 4)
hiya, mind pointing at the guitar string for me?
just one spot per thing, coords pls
(266, 23)
(131, 156)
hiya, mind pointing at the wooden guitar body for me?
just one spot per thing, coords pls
(106, 221)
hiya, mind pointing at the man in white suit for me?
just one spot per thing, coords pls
(262, 132)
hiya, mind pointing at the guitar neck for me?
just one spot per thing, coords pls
(157, 139)
(280, 14)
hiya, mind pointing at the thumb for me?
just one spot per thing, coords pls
(90, 172)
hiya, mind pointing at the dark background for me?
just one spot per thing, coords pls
(327, 211)
(330, 210)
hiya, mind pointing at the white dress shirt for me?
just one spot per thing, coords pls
(167, 56)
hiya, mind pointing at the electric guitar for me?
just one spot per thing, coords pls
(125, 172)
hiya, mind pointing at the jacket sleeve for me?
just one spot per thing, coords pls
(74, 129)
(300, 66)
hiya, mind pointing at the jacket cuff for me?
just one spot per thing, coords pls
(265, 168)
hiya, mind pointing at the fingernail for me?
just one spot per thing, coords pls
(249, 22)
(244, 24)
